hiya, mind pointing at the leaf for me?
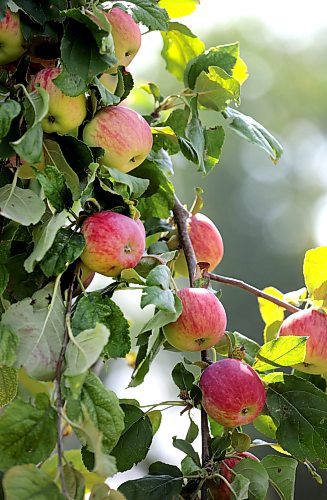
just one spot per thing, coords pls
(93, 308)
(248, 347)
(179, 47)
(76, 153)
(159, 276)
(70, 84)
(162, 318)
(24, 482)
(106, 97)
(4, 278)
(252, 131)
(74, 481)
(29, 146)
(216, 89)
(138, 430)
(180, 8)
(269, 311)
(8, 111)
(85, 350)
(44, 237)
(240, 485)
(8, 346)
(66, 248)
(187, 448)
(162, 299)
(143, 364)
(257, 475)
(154, 487)
(150, 15)
(214, 140)
(55, 188)
(8, 384)
(281, 471)
(265, 425)
(135, 185)
(160, 469)
(182, 377)
(275, 353)
(36, 105)
(38, 323)
(155, 417)
(315, 274)
(192, 433)
(194, 132)
(20, 205)
(300, 411)
(28, 433)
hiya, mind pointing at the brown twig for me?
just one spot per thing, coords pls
(59, 402)
(251, 289)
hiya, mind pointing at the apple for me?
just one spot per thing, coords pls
(113, 242)
(313, 324)
(123, 134)
(126, 35)
(207, 243)
(65, 113)
(202, 322)
(11, 38)
(232, 392)
(221, 491)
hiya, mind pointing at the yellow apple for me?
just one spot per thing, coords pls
(11, 38)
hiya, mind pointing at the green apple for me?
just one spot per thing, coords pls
(126, 35)
(65, 113)
(11, 38)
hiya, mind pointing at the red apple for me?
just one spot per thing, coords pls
(65, 113)
(221, 491)
(126, 35)
(202, 322)
(313, 324)
(11, 38)
(124, 135)
(113, 242)
(207, 243)
(232, 392)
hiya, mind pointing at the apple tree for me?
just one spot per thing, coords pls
(86, 187)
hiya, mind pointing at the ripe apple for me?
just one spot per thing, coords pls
(232, 392)
(207, 243)
(11, 38)
(65, 113)
(221, 491)
(113, 242)
(201, 324)
(313, 324)
(123, 134)
(126, 35)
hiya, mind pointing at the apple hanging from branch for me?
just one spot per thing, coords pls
(126, 35)
(11, 38)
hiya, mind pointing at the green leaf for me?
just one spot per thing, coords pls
(92, 309)
(189, 467)
(8, 384)
(159, 276)
(162, 299)
(214, 140)
(20, 205)
(254, 132)
(38, 323)
(66, 248)
(70, 84)
(138, 430)
(257, 475)
(180, 8)
(187, 448)
(154, 487)
(4, 278)
(149, 14)
(44, 236)
(219, 445)
(161, 469)
(29, 146)
(182, 377)
(299, 409)
(54, 157)
(136, 186)
(85, 350)
(55, 188)
(217, 89)
(24, 482)
(248, 346)
(106, 98)
(240, 485)
(180, 46)
(162, 318)
(192, 433)
(284, 351)
(265, 425)
(315, 274)
(103, 409)
(144, 359)
(155, 417)
(76, 153)
(43, 12)
(28, 433)
(75, 482)
(36, 104)
(8, 111)
(8, 346)
(281, 471)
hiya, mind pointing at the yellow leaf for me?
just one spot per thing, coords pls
(315, 275)
(269, 311)
(240, 71)
(179, 8)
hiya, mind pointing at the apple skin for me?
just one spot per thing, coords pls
(202, 322)
(313, 324)
(126, 35)
(232, 392)
(65, 113)
(123, 134)
(113, 242)
(207, 243)
(11, 38)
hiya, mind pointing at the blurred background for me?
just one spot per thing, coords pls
(268, 215)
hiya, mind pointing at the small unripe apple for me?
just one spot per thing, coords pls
(65, 113)
(123, 134)
(207, 243)
(232, 392)
(201, 324)
(113, 242)
(126, 35)
(11, 38)
(313, 324)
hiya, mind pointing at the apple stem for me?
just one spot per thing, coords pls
(251, 289)
(59, 401)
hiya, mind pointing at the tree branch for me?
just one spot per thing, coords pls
(251, 289)
(59, 402)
